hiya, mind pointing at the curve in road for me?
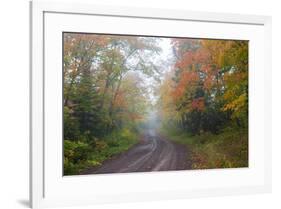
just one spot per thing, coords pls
(153, 153)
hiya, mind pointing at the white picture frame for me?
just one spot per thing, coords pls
(46, 189)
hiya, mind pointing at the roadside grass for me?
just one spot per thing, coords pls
(228, 149)
(80, 155)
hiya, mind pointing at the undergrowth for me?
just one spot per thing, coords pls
(80, 155)
(228, 149)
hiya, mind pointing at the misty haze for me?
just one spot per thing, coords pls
(140, 103)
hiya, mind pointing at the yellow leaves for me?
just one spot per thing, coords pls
(101, 145)
(210, 76)
(236, 105)
(235, 95)
(218, 50)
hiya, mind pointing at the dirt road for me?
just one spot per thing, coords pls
(153, 153)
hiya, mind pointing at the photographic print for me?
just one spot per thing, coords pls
(135, 103)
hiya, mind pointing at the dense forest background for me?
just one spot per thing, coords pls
(194, 91)
(105, 97)
(204, 101)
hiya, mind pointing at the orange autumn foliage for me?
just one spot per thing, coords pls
(187, 79)
(120, 101)
(198, 104)
(218, 68)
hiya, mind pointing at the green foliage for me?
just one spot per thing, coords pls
(213, 120)
(100, 93)
(71, 125)
(79, 156)
(75, 156)
(104, 103)
(229, 149)
(208, 86)
(109, 81)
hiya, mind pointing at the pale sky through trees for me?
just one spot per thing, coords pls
(165, 61)
(120, 90)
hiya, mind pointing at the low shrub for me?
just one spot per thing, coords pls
(79, 155)
(228, 149)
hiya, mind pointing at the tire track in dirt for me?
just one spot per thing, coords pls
(152, 153)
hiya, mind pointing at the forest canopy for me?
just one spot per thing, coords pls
(116, 86)
(208, 86)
